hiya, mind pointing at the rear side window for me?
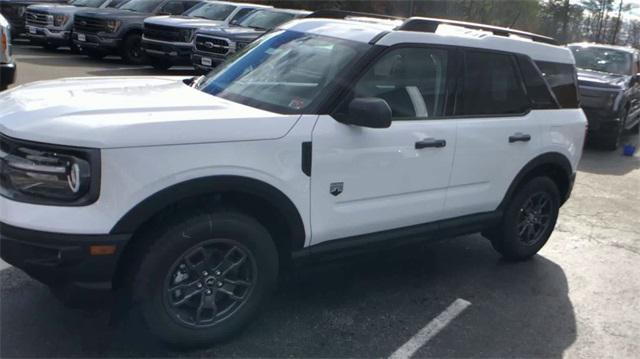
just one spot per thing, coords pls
(177, 7)
(539, 92)
(562, 79)
(491, 86)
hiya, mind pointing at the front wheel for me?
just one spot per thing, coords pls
(528, 221)
(205, 277)
(160, 64)
(132, 50)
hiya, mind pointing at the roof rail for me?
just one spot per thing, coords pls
(342, 14)
(424, 24)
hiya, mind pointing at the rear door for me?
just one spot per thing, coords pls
(497, 133)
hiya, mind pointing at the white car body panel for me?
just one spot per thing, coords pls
(131, 112)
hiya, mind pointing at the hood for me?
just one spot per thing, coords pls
(601, 79)
(233, 32)
(30, 2)
(182, 21)
(44, 7)
(56, 9)
(115, 112)
(113, 14)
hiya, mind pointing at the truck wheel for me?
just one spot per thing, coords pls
(528, 221)
(160, 64)
(612, 142)
(132, 51)
(204, 277)
(50, 47)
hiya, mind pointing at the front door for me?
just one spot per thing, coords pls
(366, 180)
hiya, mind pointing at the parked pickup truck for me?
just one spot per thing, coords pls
(168, 40)
(50, 25)
(213, 46)
(7, 66)
(609, 80)
(119, 31)
(14, 12)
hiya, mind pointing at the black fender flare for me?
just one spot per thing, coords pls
(555, 159)
(159, 201)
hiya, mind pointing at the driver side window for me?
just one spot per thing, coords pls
(413, 81)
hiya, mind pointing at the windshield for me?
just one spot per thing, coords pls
(265, 19)
(87, 3)
(141, 5)
(285, 72)
(602, 60)
(216, 12)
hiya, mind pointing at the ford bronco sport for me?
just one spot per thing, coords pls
(324, 136)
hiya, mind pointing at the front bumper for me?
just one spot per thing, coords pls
(7, 74)
(176, 53)
(602, 123)
(68, 261)
(48, 36)
(98, 43)
(206, 61)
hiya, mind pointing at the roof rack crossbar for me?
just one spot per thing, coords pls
(342, 14)
(424, 24)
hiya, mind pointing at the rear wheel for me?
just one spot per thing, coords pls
(612, 142)
(528, 221)
(50, 47)
(132, 50)
(97, 55)
(205, 277)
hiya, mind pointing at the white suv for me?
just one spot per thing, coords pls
(324, 136)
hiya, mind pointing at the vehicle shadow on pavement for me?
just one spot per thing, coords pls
(598, 161)
(360, 307)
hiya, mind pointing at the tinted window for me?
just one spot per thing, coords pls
(562, 80)
(413, 81)
(265, 19)
(491, 86)
(116, 3)
(537, 89)
(603, 59)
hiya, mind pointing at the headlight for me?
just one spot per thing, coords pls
(185, 35)
(48, 174)
(112, 25)
(60, 20)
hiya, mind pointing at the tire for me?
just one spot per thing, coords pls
(507, 240)
(3, 87)
(75, 49)
(96, 55)
(612, 143)
(222, 234)
(161, 65)
(132, 52)
(50, 47)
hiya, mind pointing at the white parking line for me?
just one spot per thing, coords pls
(430, 330)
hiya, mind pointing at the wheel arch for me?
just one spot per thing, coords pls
(270, 206)
(553, 165)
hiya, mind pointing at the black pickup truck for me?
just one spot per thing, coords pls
(101, 32)
(14, 12)
(213, 45)
(609, 81)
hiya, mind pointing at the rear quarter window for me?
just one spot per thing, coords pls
(562, 79)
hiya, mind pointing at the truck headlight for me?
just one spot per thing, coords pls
(60, 20)
(185, 35)
(48, 174)
(112, 25)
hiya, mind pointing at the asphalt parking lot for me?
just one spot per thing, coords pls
(580, 297)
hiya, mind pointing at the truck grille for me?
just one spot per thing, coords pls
(162, 33)
(36, 18)
(84, 24)
(212, 45)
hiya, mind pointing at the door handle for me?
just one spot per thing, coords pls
(430, 143)
(519, 137)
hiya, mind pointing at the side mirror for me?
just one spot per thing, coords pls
(369, 112)
(635, 79)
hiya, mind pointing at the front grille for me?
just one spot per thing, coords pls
(84, 24)
(212, 45)
(162, 33)
(36, 18)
